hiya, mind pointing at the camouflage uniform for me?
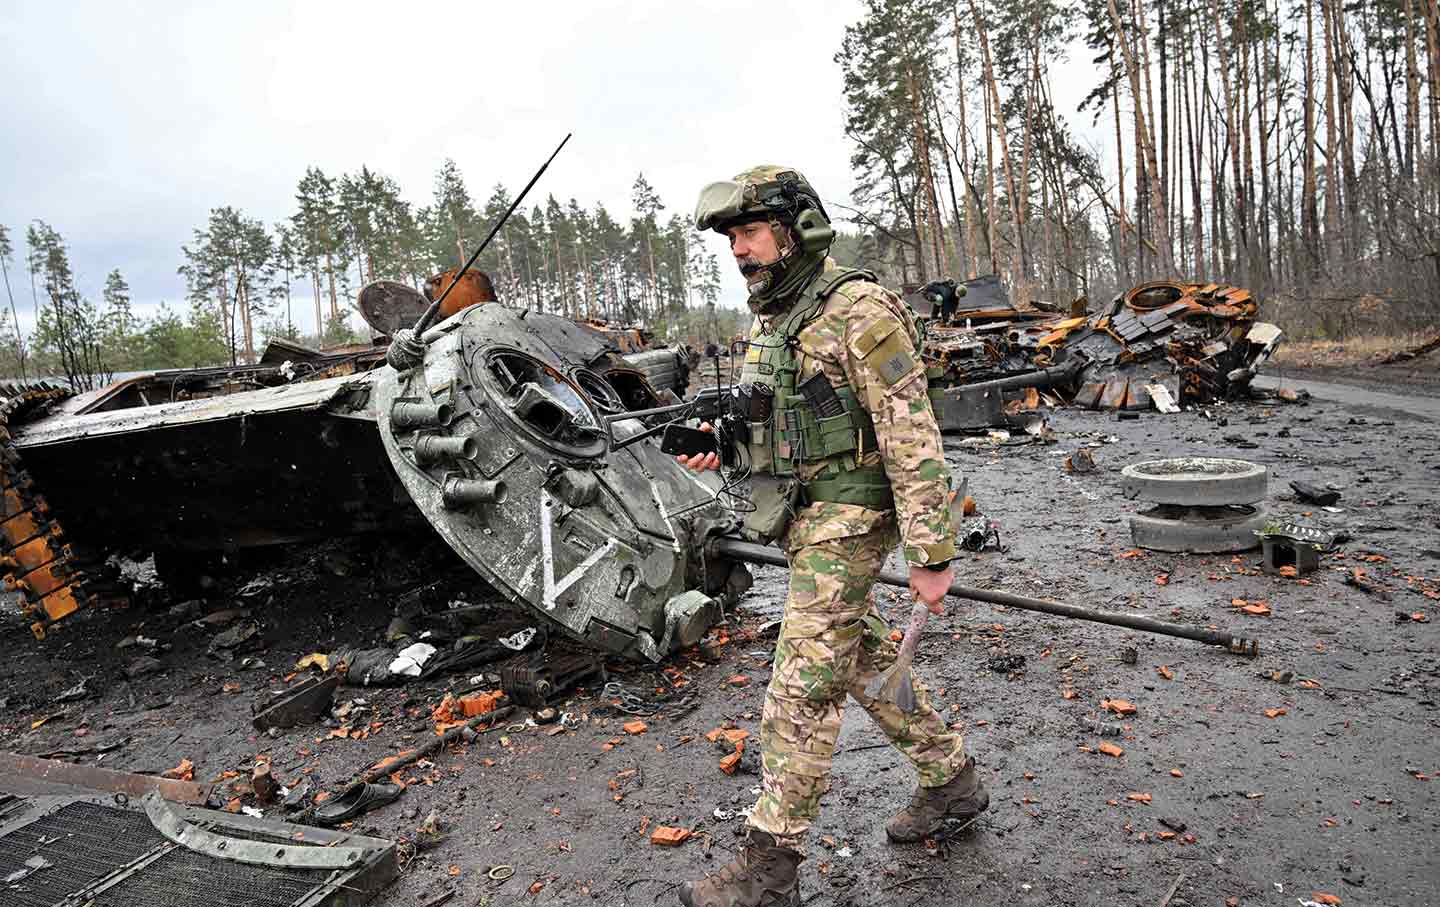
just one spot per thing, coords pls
(834, 640)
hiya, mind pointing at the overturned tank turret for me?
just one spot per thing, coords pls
(500, 436)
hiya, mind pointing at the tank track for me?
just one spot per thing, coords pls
(54, 579)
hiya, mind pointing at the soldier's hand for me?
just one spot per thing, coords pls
(701, 462)
(930, 586)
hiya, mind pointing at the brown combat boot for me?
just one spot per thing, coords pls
(963, 798)
(763, 874)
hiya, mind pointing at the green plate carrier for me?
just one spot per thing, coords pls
(795, 434)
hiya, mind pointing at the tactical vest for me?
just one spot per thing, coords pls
(795, 434)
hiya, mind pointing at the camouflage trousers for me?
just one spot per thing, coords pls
(832, 644)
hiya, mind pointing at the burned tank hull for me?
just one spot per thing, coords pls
(600, 545)
(1159, 344)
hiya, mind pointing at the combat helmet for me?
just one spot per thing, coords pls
(782, 196)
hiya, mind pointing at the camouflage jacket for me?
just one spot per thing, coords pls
(864, 337)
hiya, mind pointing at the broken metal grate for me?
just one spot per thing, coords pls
(83, 843)
(89, 846)
(183, 878)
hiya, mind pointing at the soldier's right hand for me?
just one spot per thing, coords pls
(701, 462)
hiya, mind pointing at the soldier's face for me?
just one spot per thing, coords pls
(754, 245)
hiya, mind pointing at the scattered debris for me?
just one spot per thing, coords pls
(410, 660)
(1013, 663)
(263, 783)
(669, 836)
(32, 865)
(1313, 494)
(80, 690)
(1294, 546)
(1118, 706)
(104, 779)
(302, 703)
(1081, 461)
(518, 641)
(356, 800)
(1103, 728)
(142, 667)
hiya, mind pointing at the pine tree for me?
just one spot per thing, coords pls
(17, 341)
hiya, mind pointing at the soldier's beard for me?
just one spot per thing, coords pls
(750, 265)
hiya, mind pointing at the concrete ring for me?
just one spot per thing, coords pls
(500, 873)
(1201, 530)
(1195, 481)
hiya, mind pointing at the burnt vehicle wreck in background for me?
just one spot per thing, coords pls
(1163, 344)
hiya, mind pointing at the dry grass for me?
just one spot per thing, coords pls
(1341, 353)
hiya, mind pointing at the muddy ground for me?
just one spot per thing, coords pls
(1212, 796)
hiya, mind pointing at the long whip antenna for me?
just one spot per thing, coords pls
(434, 309)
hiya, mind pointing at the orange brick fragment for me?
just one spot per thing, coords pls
(1165, 835)
(185, 771)
(635, 727)
(1274, 713)
(1118, 706)
(669, 836)
(1176, 773)
(1321, 897)
(730, 763)
(481, 704)
(1138, 797)
(1068, 694)
(739, 680)
(1111, 749)
(1164, 671)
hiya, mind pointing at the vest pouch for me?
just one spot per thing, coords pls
(837, 435)
(776, 502)
(762, 456)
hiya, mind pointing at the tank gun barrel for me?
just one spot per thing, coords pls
(750, 552)
(1045, 377)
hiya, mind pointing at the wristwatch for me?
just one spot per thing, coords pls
(937, 567)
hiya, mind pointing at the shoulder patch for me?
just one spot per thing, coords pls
(893, 359)
(873, 336)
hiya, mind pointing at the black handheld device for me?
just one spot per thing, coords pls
(682, 440)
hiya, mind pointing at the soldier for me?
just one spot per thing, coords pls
(845, 461)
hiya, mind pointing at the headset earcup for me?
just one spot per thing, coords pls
(813, 231)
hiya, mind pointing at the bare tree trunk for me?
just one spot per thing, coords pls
(972, 251)
(1332, 141)
(925, 235)
(1164, 116)
(1309, 212)
(1017, 264)
(1432, 47)
(1193, 139)
(1147, 146)
(990, 218)
(1345, 95)
(1121, 261)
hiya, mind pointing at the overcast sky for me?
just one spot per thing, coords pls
(122, 125)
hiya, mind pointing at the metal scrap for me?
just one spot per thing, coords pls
(103, 779)
(1161, 344)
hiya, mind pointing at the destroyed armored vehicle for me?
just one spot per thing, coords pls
(1161, 344)
(509, 440)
